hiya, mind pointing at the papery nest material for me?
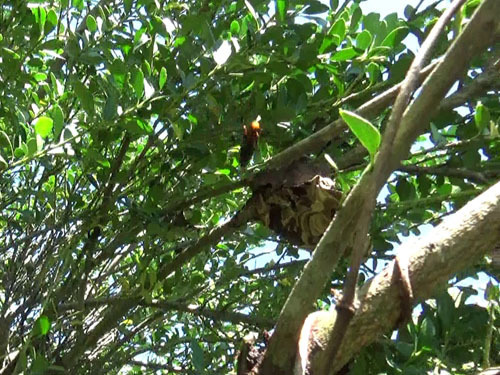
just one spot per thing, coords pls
(299, 213)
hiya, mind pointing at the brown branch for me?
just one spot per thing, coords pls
(204, 193)
(229, 316)
(241, 218)
(276, 267)
(217, 315)
(479, 177)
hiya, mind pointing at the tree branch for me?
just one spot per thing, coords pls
(476, 176)
(451, 246)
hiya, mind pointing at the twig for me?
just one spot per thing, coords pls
(448, 171)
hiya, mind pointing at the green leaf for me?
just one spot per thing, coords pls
(445, 189)
(90, 57)
(281, 9)
(481, 117)
(128, 5)
(355, 18)
(58, 116)
(338, 29)
(334, 4)
(138, 83)
(445, 310)
(374, 72)
(436, 137)
(32, 146)
(85, 96)
(40, 16)
(110, 107)
(42, 326)
(39, 77)
(197, 357)
(3, 163)
(97, 157)
(409, 11)
(395, 36)
(19, 152)
(52, 17)
(43, 126)
(405, 189)
(235, 27)
(163, 77)
(39, 365)
(363, 39)
(315, 7)
(138, 127)
(5, 140)
(345, 54)
(368, 135)
(91, 23)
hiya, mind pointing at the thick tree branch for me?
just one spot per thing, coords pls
(455, 244)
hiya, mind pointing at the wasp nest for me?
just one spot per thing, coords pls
(298, 213)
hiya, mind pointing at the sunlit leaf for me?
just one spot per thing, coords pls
(43, 126)
(345, 54)
(481, 117)
(367, 134)
(363, 39)
(42, 326)
(281, 9)
(163, 77)
(91, 23)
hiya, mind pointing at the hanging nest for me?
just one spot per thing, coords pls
(300, 209)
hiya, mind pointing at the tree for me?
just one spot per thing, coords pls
(130, 231)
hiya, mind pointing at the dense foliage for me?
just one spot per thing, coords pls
(120, 129)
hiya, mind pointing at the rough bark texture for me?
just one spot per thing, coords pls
(453, 245)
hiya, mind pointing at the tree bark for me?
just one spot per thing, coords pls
(455, 244)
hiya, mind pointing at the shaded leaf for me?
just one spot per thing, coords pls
(395, 36)
(197, 357)
(85, 96)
